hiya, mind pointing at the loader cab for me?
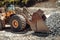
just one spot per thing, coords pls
(10, 9)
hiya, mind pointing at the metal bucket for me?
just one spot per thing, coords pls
(37, 23)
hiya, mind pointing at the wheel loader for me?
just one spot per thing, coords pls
(9, 16)
(18, 21)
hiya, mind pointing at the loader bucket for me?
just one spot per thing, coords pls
(37, 23)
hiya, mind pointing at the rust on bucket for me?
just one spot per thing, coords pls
(37, 23)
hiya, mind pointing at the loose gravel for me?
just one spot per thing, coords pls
(53, 22)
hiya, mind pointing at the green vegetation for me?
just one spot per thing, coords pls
(17, 2)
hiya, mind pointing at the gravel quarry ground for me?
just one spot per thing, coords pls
(7, 34)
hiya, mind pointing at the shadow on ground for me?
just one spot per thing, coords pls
(27, 29)
(40, 34)
(8, 29)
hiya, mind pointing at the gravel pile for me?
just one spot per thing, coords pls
(53, 22)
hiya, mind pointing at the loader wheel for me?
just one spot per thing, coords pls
(17, 23)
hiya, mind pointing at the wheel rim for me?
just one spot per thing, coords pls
(15, 23)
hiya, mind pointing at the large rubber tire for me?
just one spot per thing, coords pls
(21, 23)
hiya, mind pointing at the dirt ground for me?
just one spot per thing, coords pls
(47, 4)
